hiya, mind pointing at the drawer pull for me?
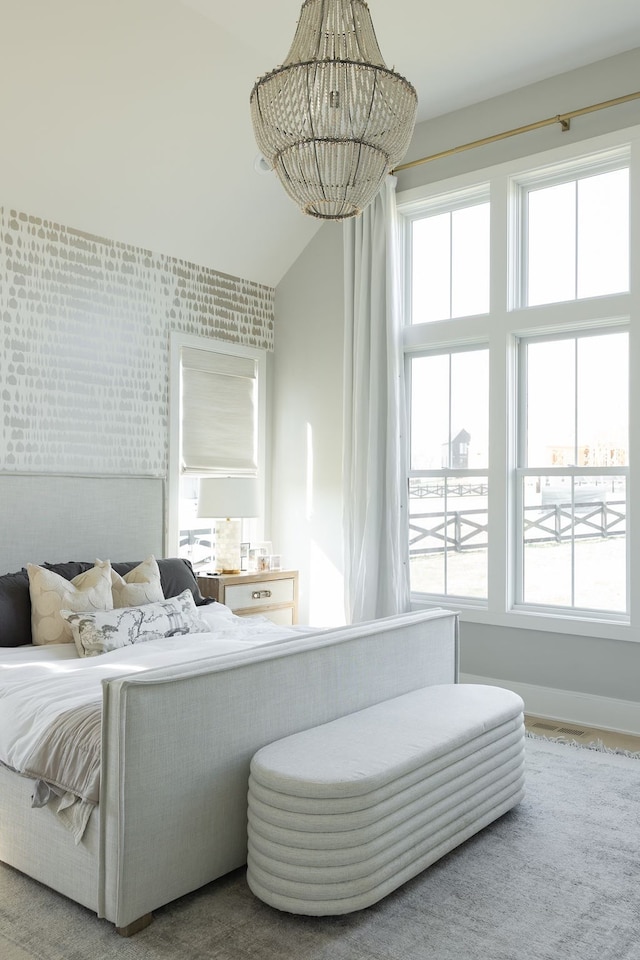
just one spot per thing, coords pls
(260, 594)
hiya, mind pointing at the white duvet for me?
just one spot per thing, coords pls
(41, 684)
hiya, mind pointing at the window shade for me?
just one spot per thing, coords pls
(218, 414)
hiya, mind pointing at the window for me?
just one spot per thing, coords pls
(450, 262)
(572, 475)
(217, 429)
(519, 457)
(448, 472)
(577, 237)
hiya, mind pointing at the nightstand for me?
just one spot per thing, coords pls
(273, 593)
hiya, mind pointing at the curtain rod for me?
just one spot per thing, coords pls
(564, 119)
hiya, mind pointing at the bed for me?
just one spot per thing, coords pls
(177, 732)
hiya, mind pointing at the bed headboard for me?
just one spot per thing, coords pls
(55, 518)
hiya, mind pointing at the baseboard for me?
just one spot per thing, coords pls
(606, 713)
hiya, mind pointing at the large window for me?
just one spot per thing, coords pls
(519, 457)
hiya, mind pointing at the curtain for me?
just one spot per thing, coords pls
(375, 501)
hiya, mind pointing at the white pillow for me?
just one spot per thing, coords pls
(50, 593)
(140, 585)
(96, 633)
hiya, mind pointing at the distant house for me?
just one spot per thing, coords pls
(455, 454)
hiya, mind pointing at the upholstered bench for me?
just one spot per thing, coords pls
(342, 814)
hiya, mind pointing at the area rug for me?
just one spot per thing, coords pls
(558, 878)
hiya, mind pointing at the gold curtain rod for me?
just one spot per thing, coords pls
(564, 119)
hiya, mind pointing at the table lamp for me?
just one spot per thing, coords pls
(226, 500)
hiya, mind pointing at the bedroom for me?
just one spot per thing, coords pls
(93, 141)
(91, 149)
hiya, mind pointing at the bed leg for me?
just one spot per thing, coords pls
(135, 926)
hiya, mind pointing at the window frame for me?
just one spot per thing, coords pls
(444, 473)
(447, 202)
(177, 342)
(523, 468)
(507, 322)
(551, 175)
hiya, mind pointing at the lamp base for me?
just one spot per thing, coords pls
(228, 534)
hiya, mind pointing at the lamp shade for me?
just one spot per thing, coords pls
(228, 497)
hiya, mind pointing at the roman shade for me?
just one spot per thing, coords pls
(219, 401)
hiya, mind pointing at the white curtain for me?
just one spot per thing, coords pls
(375, 501)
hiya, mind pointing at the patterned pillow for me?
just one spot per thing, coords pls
(140, 585)
(96, 633)
(50, 593)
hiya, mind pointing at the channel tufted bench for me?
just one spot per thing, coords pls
(342, 814)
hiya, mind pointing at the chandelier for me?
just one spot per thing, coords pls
(333, 120)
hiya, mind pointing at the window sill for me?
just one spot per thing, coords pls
(600, 627)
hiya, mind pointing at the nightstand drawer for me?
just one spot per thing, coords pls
(263, 593)
(272, 593)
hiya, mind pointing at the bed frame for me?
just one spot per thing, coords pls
(176, 750)
(50, 517)
(176, 747)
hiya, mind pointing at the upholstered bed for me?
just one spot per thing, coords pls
(178, 729)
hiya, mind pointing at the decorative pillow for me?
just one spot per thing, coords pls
(15, 610)
(141, 585)
(51, 593)
(176, 574)
(96, 633)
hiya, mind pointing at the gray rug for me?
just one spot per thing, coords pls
(558, 878)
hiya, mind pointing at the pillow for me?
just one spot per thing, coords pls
(96, 633)
(51, 593)
(70, 569)
(138, 586)
(176, 575)
(15, 610)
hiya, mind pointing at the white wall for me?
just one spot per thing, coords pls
(596, 83)
(130, 119)
(306, 520)
(605, 671)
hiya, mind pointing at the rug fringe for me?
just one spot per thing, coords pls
(596, 745)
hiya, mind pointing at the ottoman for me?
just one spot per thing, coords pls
(342, 814)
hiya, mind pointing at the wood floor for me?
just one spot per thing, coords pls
(544, 727)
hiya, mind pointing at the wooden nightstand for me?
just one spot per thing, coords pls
(273, 593)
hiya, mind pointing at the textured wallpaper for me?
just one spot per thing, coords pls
(84, 356)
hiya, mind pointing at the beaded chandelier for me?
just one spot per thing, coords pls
(333, 120)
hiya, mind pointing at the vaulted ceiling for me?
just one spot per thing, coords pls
(129, 118)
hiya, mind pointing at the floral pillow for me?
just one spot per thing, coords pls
(96, 633)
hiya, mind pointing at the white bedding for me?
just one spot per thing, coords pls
(41, 684)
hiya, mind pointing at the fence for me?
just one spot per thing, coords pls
(421, 490)
(557, 523)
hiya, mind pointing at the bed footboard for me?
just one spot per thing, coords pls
(177, 745)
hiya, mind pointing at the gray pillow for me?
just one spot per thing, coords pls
(15, 610)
